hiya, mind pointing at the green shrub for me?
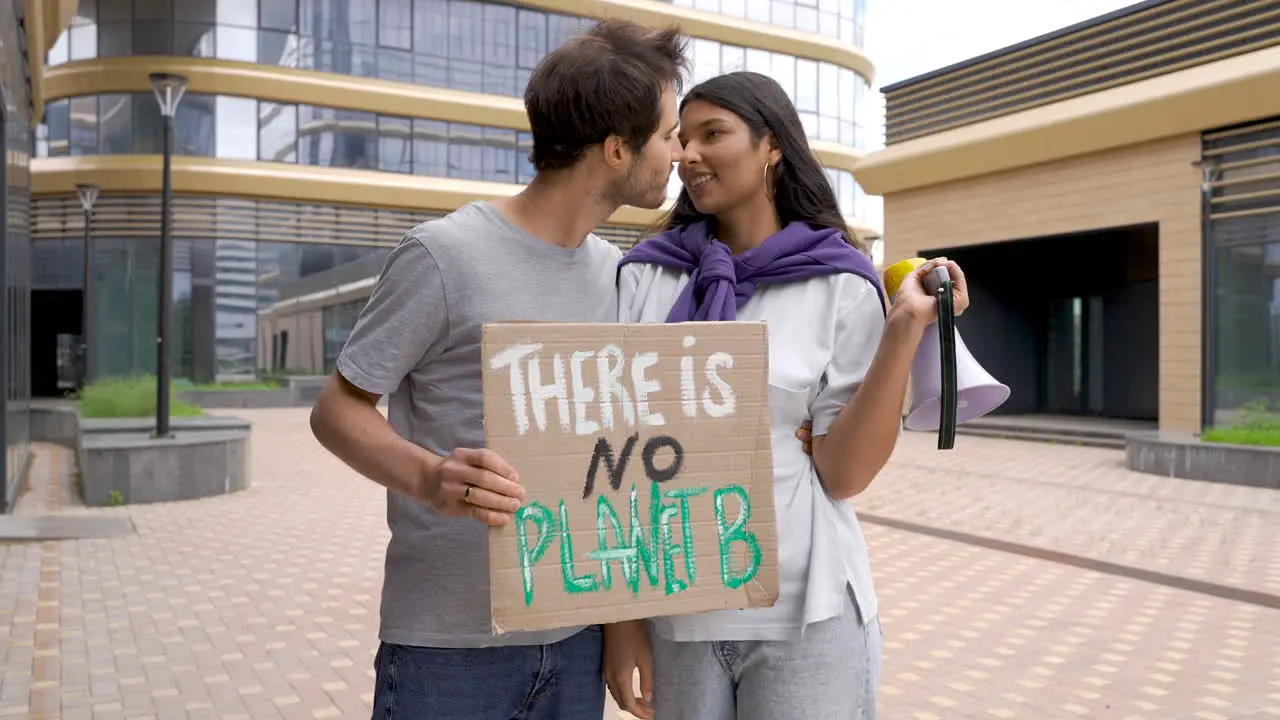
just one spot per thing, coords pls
(128, 397)
(1258, 426)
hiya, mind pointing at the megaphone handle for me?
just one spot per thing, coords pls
(947, 349)
(934, 280)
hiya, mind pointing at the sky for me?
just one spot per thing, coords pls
(906, 38)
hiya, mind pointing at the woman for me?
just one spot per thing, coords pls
(758, 230)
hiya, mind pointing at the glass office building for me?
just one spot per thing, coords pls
(313, 134)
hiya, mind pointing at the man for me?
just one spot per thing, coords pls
(602, 111)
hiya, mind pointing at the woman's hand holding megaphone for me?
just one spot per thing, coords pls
(918, 304)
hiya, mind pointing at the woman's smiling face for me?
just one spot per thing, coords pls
(722, 166)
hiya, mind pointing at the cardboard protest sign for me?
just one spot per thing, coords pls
(646, 456)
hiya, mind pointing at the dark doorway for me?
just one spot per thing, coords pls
(1070, 323)
(55, 340)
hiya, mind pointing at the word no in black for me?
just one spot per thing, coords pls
(618, 466)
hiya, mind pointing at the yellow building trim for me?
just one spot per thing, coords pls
(723, 28)
(44, 21)
(835, 155)
(1212, 95)
(57, 17)
(308, 87)
(34, 20)
(295, 183)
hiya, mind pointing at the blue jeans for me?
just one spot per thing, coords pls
(561, 681)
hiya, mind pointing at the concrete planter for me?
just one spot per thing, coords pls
(54, 422)
(306, 388)
(121, 463)
(1186, 456)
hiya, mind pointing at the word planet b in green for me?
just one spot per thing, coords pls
(647, 547)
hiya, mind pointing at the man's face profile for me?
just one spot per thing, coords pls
(644, 183)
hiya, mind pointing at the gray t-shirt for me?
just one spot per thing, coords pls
(418, 341)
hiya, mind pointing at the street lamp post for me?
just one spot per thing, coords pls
(1210, 173)
(169, 89)
(88, 195)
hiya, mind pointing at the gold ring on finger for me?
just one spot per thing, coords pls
(466, 494)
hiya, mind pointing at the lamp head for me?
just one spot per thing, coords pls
(169, 89)
(88, 195)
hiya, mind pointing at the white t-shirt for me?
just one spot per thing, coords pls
(823, 334)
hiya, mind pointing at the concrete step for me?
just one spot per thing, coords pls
(1081, 430)
(1056, 437)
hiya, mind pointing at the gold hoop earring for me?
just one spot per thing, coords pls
(768, 191)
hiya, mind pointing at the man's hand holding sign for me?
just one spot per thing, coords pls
(478, 483)
(646, 469)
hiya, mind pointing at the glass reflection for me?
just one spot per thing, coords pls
(218, 288)
(232, 316)
(277, 132)
(236, 307)
(338, 138)
(116, 124)
(395, 144)
(1247, 327)
(338, 320)
(236, 129)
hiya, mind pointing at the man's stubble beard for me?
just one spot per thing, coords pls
(636, 190)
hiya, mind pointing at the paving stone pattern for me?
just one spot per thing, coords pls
(264, 604)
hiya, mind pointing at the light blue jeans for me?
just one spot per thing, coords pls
(832, 673)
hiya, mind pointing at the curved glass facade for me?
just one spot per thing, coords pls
(827, 96)
(401, 40)
(838, 19)
(851, 197)
(243, 128)
(247, 129)
(466, 45)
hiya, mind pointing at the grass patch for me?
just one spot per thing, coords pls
(1259, 426)
(1244, 436)
(129, 397)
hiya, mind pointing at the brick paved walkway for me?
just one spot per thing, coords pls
(264, 604)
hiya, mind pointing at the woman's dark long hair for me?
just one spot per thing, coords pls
(801, 188)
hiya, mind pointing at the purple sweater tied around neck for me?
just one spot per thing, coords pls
(721, 282)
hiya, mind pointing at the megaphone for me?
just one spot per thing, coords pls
(948, 386)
